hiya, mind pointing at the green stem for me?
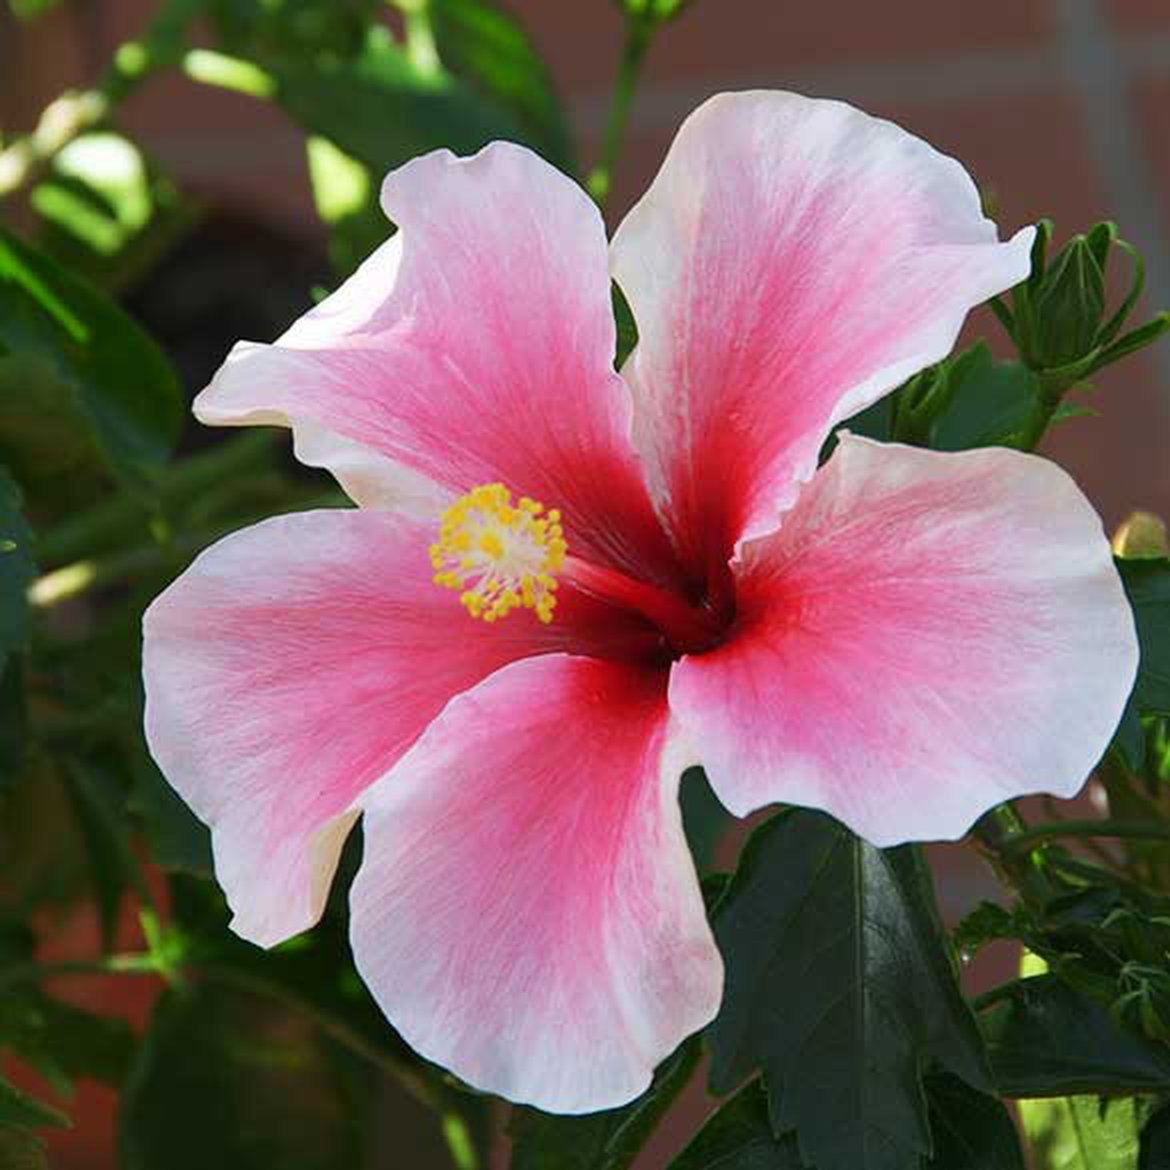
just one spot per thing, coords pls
(1036, 835)
(72, 581)
(420, 37)
(125, 514)
(125, 964)
(996, 833)
(639, 32)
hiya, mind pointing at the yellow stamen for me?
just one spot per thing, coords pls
(500, 555)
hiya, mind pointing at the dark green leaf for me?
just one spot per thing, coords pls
(1155, 1142)
(627, 328)
(1083, 1133)
(971, 1130)
(100, 808)
(599, 1141)
(13, 721)
(840, 989)
(227, 1079)
(1147, 585)
(987, 402)
(16, 568)
(1047, 1039)
(21, 1150)
(66, 348)
(705, 820)
(64, 1042)
(488, 48)
(178, 838)
(739, 1137)
(17, 1108)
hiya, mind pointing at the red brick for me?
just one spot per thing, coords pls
(1138, 15)
(749, 38)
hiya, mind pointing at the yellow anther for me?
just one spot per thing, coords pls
(500, 555)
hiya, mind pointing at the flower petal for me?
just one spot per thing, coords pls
(793, 260)
(476, 346)
(926, 635)
(289, 667)
(527, 913)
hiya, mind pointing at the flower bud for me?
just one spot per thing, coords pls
(1141, 535)
(1070, 303)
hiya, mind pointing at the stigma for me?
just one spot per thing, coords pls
(500, 555)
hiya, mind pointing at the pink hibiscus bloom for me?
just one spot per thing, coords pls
(507, 691)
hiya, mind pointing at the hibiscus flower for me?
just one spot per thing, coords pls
(563, 585)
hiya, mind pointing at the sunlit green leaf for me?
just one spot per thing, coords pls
(382, 109)
(105, 210)
(1083, 1133)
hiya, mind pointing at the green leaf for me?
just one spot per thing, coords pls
(1045, 1039)
(16, 568)
(64, 1042)
(20, 1150)
(100, 808)
(345, 191)
(626, 326)
(705, 820)
(988, 403)
(179, 840)
(65, 348)
(1147, 585)
(971, 1130)
(30, 9)
(599, 1141)
(382, 109)
(17, 1108)
(1083, 1133)
(1155, 1141)
(105, 211)
(490, 49)
(229, 1079)
(837, 975)
(739, 1137)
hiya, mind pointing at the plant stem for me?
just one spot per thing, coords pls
(72, 581)
(124, 964)
(639, 30)
(1029, 838)
(118, 516)
(1017, 868)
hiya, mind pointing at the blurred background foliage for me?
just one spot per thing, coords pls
(230, 1057)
